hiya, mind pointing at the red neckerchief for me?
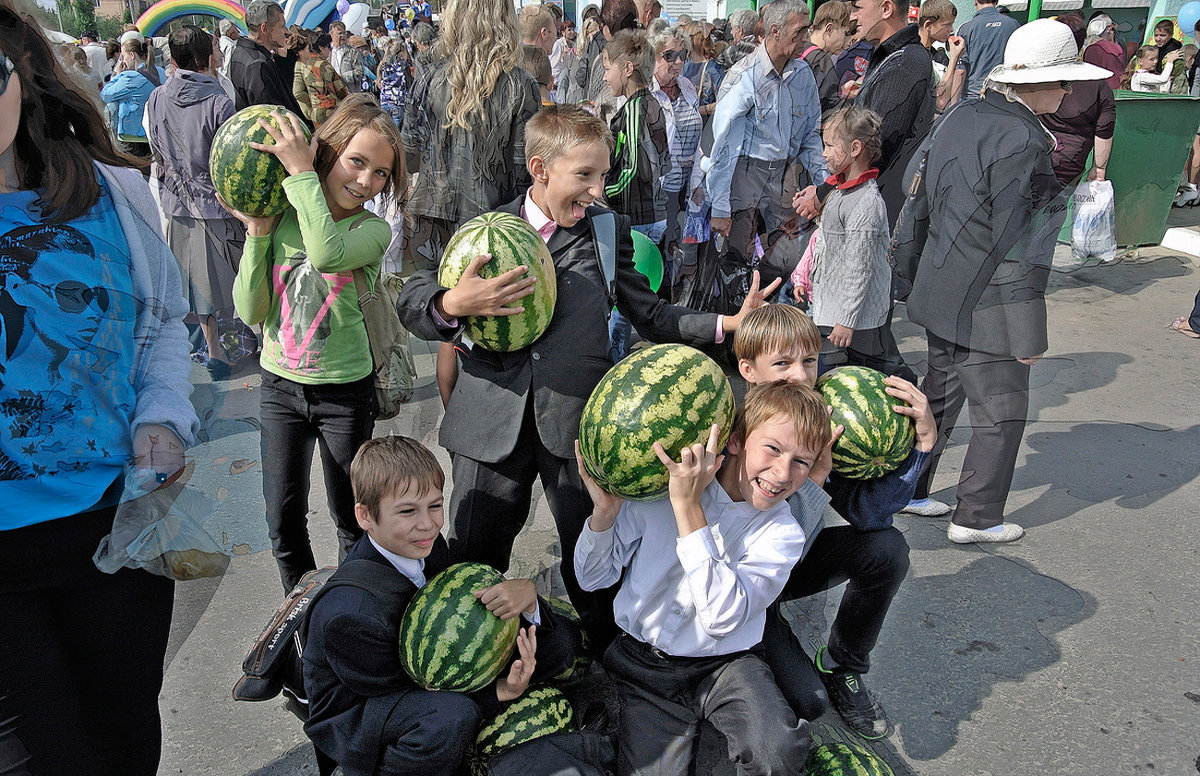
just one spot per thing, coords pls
(838, 182)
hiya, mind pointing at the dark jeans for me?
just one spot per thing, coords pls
(490, 504)
(997, 388)
(868, 347)
(663, 700)
(294, 418)
(83, 654)
(874, 563)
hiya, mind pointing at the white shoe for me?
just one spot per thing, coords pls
(1188, 195)
(926, 507)
(1009, 532)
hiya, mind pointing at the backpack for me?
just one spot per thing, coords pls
(273, 664)
(391, 354)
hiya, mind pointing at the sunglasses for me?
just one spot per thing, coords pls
(75, 297)
(671, 55)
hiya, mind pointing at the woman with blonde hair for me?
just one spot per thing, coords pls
(701, 68)
(465, 123)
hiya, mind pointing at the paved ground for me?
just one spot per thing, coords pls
(1073, 651)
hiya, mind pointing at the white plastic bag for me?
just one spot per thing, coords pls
(1094, 230)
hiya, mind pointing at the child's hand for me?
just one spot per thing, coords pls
(509, 598)
(605, 505)
(290, 147)
(841, 335)
(919, 411)
(798, 294)
(475, 295)
(256, 226)
(820, 470)
(956, 45)
(697, 466)
(754, 299)
(512, 686)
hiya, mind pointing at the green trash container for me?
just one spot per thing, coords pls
(1150, 147)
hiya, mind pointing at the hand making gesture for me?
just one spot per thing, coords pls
(511, 686)
(754, 299)
(696, 468)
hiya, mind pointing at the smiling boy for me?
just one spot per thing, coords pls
(697, 571)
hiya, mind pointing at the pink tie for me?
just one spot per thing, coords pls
(546, 230)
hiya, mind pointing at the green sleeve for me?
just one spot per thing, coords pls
(633, 135)
(328, 248)
(252, 286)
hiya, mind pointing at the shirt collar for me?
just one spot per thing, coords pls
(532, 213)
(839, 181)
(412, 568)
(788, 68)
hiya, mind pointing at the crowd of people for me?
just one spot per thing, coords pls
(797, 175)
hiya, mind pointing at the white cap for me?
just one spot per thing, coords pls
(1043, 51)
(133, 35)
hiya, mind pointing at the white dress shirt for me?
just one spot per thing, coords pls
(709, 599)
(413, 568)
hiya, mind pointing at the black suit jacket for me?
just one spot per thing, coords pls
(256, 78)
(560, 369)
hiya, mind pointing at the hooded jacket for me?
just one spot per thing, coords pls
(127, 92)
(184, 114)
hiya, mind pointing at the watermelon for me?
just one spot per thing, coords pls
(539, 712)
(583, 658)
(448, 639)
(512, 243)
(665, 393)
(837, 759)
(248, 180)
(877, 439)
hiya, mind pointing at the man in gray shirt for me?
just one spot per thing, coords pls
(986, 35)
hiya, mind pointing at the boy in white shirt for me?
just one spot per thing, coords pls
(700, 569)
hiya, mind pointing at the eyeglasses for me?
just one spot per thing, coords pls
(671, 55)
(75, 297)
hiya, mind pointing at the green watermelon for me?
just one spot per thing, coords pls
(512, 243)
(539, 712)
(665, 393)
(836, 759)
(877, 439)
(448, 639)
(248, 180)
(583, 657)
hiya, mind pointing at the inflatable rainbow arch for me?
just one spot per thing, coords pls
(158, 15)
(308, 13)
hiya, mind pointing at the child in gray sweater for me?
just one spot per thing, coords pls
(851, 279)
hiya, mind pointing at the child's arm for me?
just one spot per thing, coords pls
(603, 549)
(363, 653)
(727, 591)
(252, 285)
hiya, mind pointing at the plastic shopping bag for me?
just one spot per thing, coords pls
(1094, 230)
(161, 531)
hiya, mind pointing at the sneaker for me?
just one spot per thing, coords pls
(858, 706)
(1188, 195)
(1009, 532)
(926, 507)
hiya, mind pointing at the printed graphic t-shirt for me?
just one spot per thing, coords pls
(67, 361)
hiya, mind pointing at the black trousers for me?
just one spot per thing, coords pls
(997, 388)
(490, 505)
(83, 654)
(664, 699)
(426, 734)
(295, 418)
(875, 564)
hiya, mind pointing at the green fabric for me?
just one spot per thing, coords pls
(299, 284)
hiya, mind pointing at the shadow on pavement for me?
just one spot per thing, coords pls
(1125, 277)
(299, 762)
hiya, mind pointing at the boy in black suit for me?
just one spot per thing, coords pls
(513, 417)
(365, 712)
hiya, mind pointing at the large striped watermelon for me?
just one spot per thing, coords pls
(665, 393)
(512, 243)
(877, 439)
(448, 639)
(837, 759)
(248, 180)
(539, 712)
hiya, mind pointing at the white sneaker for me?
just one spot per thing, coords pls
(926, 507)
(1188, 195)
(1009, 532)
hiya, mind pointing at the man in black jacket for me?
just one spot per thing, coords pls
(256, 80)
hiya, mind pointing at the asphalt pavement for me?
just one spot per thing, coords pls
(1075, 650)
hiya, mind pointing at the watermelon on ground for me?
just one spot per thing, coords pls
(448, 639)
(539, 712)
(877, 439)
(513, 243)
(248, 180)
(666, 393)
(837, 759)
(583, 659)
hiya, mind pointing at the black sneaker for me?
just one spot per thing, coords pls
(854, 702)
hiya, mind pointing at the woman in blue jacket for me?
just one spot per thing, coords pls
(126, 94)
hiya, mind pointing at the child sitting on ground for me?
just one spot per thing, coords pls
(778, 342)
(697, 571)
(365, 712)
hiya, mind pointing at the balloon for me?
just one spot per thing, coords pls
(391, 25)
(647, 260)
(1188, 16)
(343, 6)
(355, 18)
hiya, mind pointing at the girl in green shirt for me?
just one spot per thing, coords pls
(297, 278)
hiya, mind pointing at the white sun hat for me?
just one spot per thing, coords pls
(1044, 51)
